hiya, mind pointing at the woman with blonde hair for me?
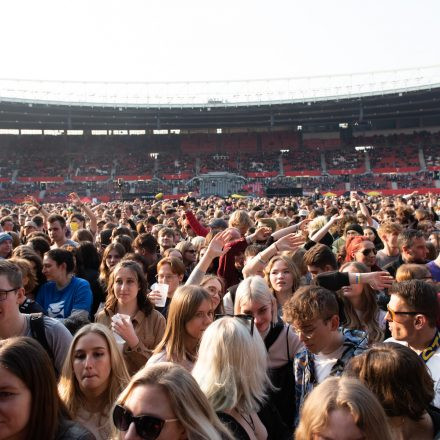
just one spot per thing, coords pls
(93, 375)
(254, 298)
(130, 314)
(360, 306)
(232, 372)
(189, 315)
(283, 277)
(343, 409)
(164, 402)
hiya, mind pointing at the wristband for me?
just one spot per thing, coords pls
(260, 260)
(357, 278)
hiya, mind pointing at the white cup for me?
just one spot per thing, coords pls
(163, 289)
(119, 339)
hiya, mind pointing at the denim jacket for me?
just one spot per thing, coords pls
(355, 342)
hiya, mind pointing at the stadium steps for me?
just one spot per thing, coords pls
(367, 162)
(323, 163)
(422, 159)
(14, 176)
(281, 165)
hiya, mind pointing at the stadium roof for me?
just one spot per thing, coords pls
(220, 93)
(410, 96)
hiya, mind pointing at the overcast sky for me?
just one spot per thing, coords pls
(167, 40)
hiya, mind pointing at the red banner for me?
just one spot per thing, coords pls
(345, 172)
(133, 177)
(304, 173)
(41, 179)
(90, 178)
(262, 174)
(396, 170)
(182, 176)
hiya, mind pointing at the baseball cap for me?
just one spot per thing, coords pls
(218, 223)
(30, 224)
(4, 236)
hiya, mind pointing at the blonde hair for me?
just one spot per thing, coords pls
(282, 222)
(316, 224)
(255, 289)
(346, 394)
(232, 366)
(183, 307)
(188, 403)
(68, 387)
(369, 319)
(240, 218)
(198, 242)
(290, 266)
(407, 272)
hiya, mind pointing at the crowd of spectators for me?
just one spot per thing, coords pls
(220, 319)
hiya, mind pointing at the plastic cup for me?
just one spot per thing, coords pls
(163, 289)
(118, 338)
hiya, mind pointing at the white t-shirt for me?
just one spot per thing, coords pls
(324, 363)
(433, 366)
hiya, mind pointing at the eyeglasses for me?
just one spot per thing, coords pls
(393, 313)
(247, 320)
(191, 251)
(366, 252)
(147, 427)
(4, 293)
(308, 334)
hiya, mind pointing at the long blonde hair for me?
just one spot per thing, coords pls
(347, 394)
(369, 321)
(231, 368)
(183, 307)
(68, 387)
(188, 403)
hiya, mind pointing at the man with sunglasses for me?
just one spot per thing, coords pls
(412, 314)
(314, 314)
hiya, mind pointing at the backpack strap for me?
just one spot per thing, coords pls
(38, 331)
(273, 334)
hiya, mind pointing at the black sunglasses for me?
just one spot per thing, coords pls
(368, 251)
(248, 320)
(147, 427)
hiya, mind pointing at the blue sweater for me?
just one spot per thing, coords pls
(77, 295)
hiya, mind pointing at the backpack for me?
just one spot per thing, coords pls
(39, 333)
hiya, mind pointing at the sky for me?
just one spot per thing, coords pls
(167, 40)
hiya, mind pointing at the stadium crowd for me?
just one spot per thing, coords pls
(221, 318)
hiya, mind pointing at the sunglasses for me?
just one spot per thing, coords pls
(247, 320)
(366, 252)
(147, 427)
(393, 313)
